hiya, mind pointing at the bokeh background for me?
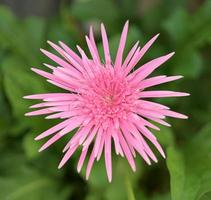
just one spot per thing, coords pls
(185, 27)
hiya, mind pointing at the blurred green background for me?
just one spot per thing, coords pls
(185, 27)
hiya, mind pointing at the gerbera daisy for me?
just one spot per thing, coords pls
(104, 101)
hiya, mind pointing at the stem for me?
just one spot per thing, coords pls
(129, 188)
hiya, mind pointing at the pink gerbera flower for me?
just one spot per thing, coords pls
(105, 101)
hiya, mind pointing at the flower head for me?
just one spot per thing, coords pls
(104, 101)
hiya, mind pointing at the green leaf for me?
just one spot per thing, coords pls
(28, 183)
(124, 182)
(175, 164)
(190, 170)
(22, 37)
(18, 83)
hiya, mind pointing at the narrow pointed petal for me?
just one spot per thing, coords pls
(142, 52)
(93, 51)
(43, 96)
(50, 142)
(132, 63)
(105, 45)
(97, 141)
(119, 55)
(160, 121)
(39, 112)
(155, 94)
(92, 39)
(148, 104)
(53, 129)
(152, 81)
(73, 123)
(108, 156)
(67, 156)
(90, 164)
(174, 114)
(147, 46)
(81, 159)
(56, 59)
(127, 152)
(148, 68)
(100, 150)
(130, 54)
(70, 52)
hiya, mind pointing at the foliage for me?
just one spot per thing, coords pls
(185, 27)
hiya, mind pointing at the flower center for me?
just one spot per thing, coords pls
(108, 96)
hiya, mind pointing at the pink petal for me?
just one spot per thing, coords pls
(152, 81)
(148, 68)
(105, 45)
(92, 40)
(70, 52)
(90, 137)
(130, 54)
(118, 61)
(108, 156)
(93, 51)
(134, 60)
(97, 141)
(90, 164)
(67, 156)
(59, 61)
(152, 138)
(39, 112)
(130, 128)
(64, 54)
(81, 159)
(53, 129)
(50, 142)
(52, 77)
(127, 152)
(150, 113)
(142, 52)
(170, 113)
(43, 96)
(117, 146)
(73, 123)
(154, 94)
(147, 46)
(152, 105)
(160, 121)
(100, 150)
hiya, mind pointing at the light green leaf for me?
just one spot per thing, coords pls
(175, 164)
(18, 83)
(14, 37)
(190, 169)
(28, 183)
